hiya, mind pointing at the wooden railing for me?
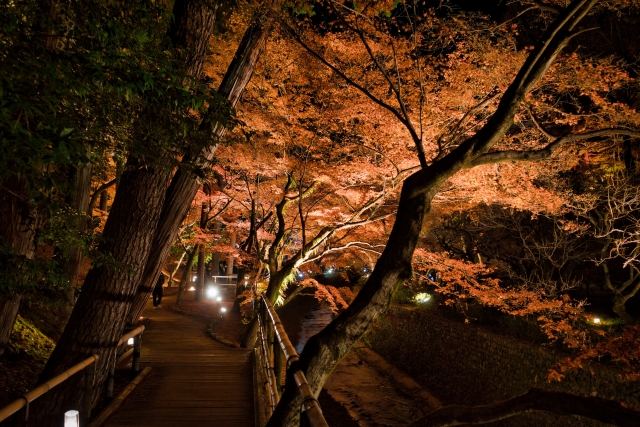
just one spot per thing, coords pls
(89, 366)
(276, 349)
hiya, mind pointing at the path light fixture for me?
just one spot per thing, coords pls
(596, 320)
(212, 292)
(223, 310)
(422, 297)
(192, 288)
(130, 341)
(72, 419)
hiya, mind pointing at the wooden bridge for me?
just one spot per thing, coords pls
(194, 381)
(190, 379)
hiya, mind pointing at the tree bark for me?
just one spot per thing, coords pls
(595, 408)
(175, 270)
(184, 185)
(185, 275)
(199, 296)
(190, 31)
(8, 314)
(97, 320)
(19, 222)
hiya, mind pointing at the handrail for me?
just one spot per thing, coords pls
(310, 406)
(32, 395)
(27, 398)
(130, 334)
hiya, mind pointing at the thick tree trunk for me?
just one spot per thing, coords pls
(80, 203)
(192, 26)
(19, 222)
(184, 282)
(8, 313)
(184, 185)
(97, 320)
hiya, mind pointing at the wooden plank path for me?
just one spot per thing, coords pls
(194, 381)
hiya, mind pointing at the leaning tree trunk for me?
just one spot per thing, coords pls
(97, 320)
(184, 185)
(323, 351)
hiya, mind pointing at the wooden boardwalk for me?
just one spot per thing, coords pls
(194, 381)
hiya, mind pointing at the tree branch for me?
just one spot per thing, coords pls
(547, 151)
(595, 408)
(96, 194)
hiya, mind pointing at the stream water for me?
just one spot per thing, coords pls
(363, 383)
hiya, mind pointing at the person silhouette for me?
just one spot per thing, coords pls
(157, 291)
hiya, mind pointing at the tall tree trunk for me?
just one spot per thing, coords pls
(199, 296)
(97, 320)
(80, 203)
(8, 313)
(185, 275)
(104, 198)
(232, 243)
(19, 222)
(175, 270)
(184, 185)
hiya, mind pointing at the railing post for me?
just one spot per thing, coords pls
(270, 334)
(137, 345)
(277, 364)
(87, 403)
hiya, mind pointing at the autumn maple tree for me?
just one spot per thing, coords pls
(483, 135)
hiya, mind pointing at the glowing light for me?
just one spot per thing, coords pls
(71, 419)
(192, 288)
(596, 320)
(421, 297)
(223, 310)
(212, 292)
(130, 341)
(195, 278)
(219, 299)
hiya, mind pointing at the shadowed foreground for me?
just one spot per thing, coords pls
(194, 381)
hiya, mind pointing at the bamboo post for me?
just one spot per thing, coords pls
(137, 345)
(277, 365)
(87, 404)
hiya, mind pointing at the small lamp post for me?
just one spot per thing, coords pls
(72, 419)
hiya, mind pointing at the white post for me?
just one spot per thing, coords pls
(72, 419)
